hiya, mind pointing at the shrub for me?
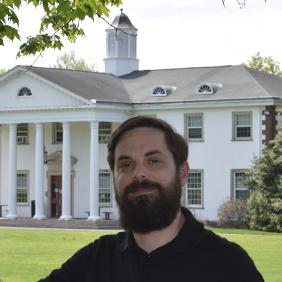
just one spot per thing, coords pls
(233, 213)
(265, 184)
(265, 213)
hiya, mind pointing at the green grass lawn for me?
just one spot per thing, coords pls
(29, 254)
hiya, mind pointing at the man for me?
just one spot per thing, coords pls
(162, 242)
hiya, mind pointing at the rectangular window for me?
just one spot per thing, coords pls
(239, 188)
(242, 126)
(105, 131)
(57, 133)
(194, 124)
(22, 133)
(22, 187)
(195, 189)
(105, 191)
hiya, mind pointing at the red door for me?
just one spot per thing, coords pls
(56, 195)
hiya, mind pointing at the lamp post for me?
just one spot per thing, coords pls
(45, 156)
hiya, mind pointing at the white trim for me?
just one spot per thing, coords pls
(195, 104)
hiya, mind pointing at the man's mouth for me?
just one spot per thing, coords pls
(142, 188)
(143, 191)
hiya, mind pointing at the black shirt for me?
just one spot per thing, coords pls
(194, 255)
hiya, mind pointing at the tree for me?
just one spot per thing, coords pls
(2, 71)
(265, 184)
(241, 3)
(265, 64)
(61, 20)
(69, 61)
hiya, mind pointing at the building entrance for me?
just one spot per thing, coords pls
(56, 195)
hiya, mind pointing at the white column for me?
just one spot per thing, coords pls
(94, 172)
(12, 172)
(66, 174)
(129, 45)
(39, 172)
(117, 44)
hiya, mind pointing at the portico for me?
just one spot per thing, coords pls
(67, 171)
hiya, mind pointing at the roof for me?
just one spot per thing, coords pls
(89, 85)
(122, 21)
(238, 82)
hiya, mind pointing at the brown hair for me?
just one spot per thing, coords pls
(176, 144)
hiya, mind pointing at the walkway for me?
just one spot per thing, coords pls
(55, 223)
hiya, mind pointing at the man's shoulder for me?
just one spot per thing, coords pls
(231, 256)
(213, 241)
(108, 240)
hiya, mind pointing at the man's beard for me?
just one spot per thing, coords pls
(152, 211)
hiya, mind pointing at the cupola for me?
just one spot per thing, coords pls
(121, 45)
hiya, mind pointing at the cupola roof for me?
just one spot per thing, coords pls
(122, 21)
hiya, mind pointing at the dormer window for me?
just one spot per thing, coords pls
(163, 90)
(208, 88)
(205, 89)
(159, 91)
(24, 92)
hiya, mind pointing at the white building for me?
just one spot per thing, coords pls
(55, 125)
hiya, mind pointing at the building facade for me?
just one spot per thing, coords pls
(55, 126)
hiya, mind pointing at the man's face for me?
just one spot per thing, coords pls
(148, 187)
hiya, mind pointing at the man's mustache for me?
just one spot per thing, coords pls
(144, 184)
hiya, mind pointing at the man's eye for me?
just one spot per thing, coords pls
(155, 161)
(124, 165)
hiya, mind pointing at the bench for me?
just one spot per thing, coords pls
(107, 215)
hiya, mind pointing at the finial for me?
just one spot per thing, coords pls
(121, 10)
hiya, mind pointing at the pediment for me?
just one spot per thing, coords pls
(56, 158)
(42, 92)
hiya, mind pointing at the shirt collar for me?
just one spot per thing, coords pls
(188, 237)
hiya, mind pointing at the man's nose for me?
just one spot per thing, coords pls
(140, 172)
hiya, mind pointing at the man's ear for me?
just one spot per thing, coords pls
(183, 173)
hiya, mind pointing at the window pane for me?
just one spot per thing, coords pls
(22, 127)
(243, 132)
(195, 133)
(194, 126)
(104, 196)
(21, 195)
(242, 123)
(22, 187)
(105, 130)
(194, 180)
(240, 177)
(241, 190)
(194, 189)
(22, 133)
(243, 119)
(195, 121)
(242, 194)
(21, 180)
(58, 132)
(104, 187)
(104, 180)
(194, 197)
(59, 137)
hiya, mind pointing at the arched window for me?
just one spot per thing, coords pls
(159, 91)
(24, 92)
(205, 89)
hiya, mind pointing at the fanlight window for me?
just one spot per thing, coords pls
(205, 89)
(159, 91)
(24, 92)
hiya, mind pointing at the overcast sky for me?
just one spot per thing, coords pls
(173, 33)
